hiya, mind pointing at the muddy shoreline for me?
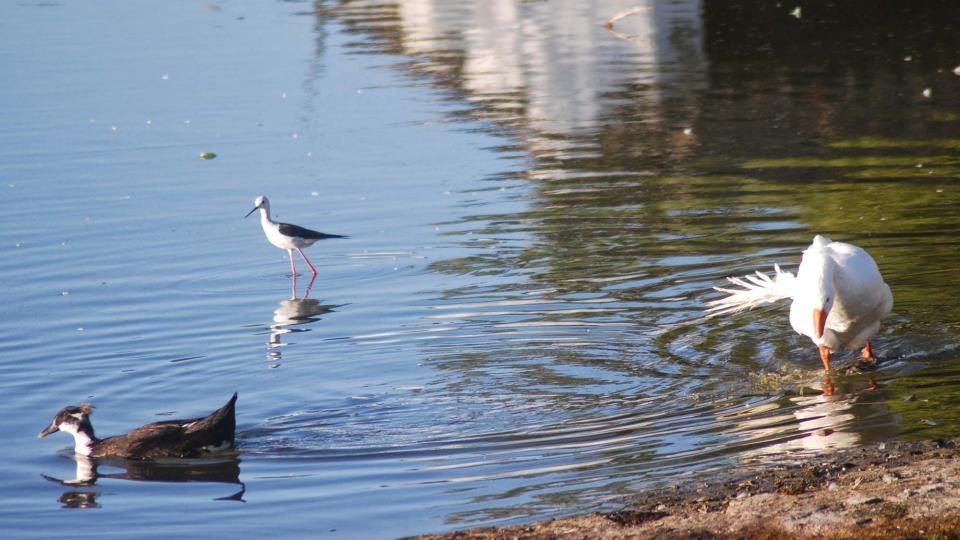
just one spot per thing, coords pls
(891, 490)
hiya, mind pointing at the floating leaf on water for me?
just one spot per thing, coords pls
(207, 155)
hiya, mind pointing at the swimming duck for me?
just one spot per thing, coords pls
(838, 297)
(167, 439)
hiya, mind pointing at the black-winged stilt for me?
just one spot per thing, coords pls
(287, 236)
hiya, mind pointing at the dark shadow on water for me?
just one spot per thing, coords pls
(222, 469)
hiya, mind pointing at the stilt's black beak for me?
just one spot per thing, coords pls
(250, 212)
(52, 428)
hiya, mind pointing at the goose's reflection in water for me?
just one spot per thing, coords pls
(292, 313)
(837, 418)
(224, 470)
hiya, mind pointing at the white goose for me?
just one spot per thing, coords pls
(838, 297)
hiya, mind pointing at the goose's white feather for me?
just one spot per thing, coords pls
(758, 288)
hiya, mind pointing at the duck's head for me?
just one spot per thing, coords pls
(74, 420)
(260, 202)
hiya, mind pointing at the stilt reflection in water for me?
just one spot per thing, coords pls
(291, 313)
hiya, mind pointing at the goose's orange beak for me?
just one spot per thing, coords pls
(819, 322)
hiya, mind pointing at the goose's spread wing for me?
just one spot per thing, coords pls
(755, 290)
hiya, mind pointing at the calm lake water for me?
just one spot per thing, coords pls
(538, 207)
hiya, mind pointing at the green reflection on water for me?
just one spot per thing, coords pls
(940, 116)
(900, 172)
(854, 161)
(927, 401)
(878, 142)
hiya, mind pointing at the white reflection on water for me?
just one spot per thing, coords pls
(293, 315)
(560, 57)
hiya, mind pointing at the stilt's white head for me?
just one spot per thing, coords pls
(260, 203)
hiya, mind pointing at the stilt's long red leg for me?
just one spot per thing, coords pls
(312, 269)
(866, 352)
(293, 267)
(825, 357)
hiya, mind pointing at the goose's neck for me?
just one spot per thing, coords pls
(819, 282)
(827, 267)
(817, 265)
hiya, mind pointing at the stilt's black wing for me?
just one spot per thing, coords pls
(287, 229)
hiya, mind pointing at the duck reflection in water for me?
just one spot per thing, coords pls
(223, 469)
(294, 312)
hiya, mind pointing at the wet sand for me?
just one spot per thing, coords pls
(892, 490)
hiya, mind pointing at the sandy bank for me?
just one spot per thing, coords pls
(894, 490)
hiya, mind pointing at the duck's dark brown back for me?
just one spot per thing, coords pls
(174, 438)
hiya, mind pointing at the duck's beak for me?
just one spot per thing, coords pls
(819, 322)
(52, 428)
(250, 212)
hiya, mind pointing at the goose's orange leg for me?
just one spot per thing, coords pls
(867, 359)
(825, 357)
